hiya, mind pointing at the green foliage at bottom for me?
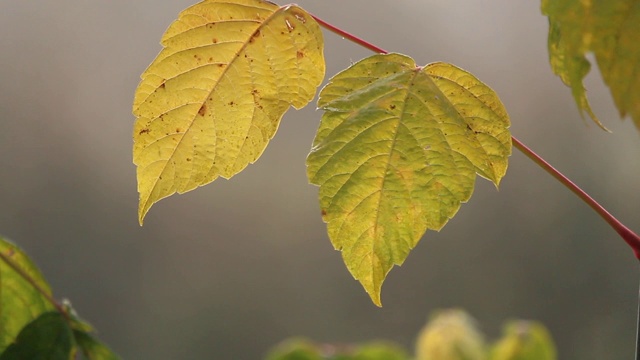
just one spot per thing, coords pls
(47, 337)
(33, 325)
(303, 349)
(449, 335)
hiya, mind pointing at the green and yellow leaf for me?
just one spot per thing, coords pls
(611, 30)
(397, 152)
(213, 98)
(20, 302)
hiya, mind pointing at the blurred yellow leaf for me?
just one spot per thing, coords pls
(524, 340)
(450, 335)
(611, 30)
(213, 98)
(397, 152)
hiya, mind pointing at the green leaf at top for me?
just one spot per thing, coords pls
(20, 301)
(213, 98)
(611, 30)
(396, 153)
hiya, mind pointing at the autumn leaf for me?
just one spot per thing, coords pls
(397, 152)
(213, 98)
(611, 30)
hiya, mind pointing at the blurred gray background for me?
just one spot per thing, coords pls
(232, 268)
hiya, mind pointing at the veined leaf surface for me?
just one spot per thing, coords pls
(213, 98)
(20, 302)
(611, 30)
(396, 153)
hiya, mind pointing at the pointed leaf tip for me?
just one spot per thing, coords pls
(397, 152)
(213, 98)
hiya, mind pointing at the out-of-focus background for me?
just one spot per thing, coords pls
(230, 269)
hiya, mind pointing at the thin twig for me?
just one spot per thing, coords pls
(631, 238)
(638, 330)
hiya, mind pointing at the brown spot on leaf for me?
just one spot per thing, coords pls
(324, 212)
(161, 86)
(254, 36)
(144, 131)
(202, 110)
(231, 103)
(299, 54)
(392, 107)
(188, 159)
(214, 40)
(178, 130)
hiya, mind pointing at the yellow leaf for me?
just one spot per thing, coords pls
(611, 30)
(450, 335)
(397, 152)
(524, 340)
(213, 98)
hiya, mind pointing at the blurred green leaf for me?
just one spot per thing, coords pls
(48, 337)
(380, 350)
(450, 335)
(611, 30)
(524, 340)
(20, 302)
(397, 152)
(91, 348)
(295, 349)
(303, 349)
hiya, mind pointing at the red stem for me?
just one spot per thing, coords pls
(631, 238)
